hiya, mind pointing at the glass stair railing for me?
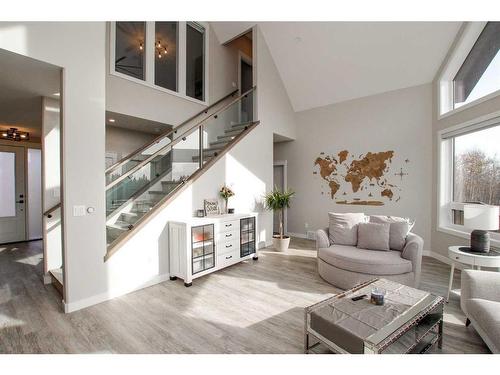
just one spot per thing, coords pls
(136, 186)
(137, 157)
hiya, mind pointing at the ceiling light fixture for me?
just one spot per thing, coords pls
(160, 50)
(111, 120)
(13, 134)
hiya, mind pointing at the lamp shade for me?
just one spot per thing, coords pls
(481, 216)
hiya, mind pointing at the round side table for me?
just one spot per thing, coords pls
(475, 260)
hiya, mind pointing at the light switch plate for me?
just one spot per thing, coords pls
(79, 211)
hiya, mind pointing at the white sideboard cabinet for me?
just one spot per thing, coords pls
(199, 246)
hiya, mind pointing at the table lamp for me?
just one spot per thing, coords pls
(481, 218)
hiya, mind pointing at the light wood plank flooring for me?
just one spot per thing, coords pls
(252, 307)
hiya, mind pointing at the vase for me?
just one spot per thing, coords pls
(225, 206)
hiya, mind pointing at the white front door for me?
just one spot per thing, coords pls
(12, 195)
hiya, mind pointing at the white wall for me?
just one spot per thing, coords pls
(273, 105)
(398, 120)
(34, 193)
(83, 96)
(122, 141)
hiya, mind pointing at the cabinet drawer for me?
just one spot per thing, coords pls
(227, 259)
(228, 236)
(227, 246)
(462, 258)
(228, 226)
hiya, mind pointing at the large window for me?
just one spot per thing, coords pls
(168, 56)
(195, 64)
(476, 167)
(469, 171)
(129, 49)
(479, 75)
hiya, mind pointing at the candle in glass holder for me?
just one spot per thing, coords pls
(377, 296)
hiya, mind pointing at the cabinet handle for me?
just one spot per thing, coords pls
(229, 225)
(229, 257)
(227, 246)
(229, 235)
(457, 257)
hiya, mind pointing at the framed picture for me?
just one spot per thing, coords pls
(211, 207)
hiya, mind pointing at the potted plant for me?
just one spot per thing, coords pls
(226, 193)
(278, 200)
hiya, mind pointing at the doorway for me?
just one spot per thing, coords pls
(12, 192)
(246, 83)
(30, 173)
(280, 182)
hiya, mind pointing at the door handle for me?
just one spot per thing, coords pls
(21, 201)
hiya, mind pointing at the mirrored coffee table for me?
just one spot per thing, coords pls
(410, 321)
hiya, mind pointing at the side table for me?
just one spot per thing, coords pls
(475, 260)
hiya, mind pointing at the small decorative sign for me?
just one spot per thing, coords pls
(211, 207)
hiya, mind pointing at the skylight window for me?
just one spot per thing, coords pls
(479, 74)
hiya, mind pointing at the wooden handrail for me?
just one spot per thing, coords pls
(166, 134)
(52, 209)
(116, 245)
(175, 141)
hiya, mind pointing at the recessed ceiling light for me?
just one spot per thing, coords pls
(111, 120)
(57, 94)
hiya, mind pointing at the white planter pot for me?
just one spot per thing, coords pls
(281, 244)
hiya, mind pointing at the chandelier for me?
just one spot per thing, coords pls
(13, 134)
(160, 49)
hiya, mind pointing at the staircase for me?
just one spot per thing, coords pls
(151, 177)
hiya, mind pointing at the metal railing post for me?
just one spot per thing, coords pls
(201, 145)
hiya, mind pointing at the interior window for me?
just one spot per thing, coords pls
(195, 61)
(129, 49)
(166, 54)
(479, 75)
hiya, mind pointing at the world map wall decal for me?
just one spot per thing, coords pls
(363, 180)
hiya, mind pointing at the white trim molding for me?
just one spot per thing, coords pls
(149, 63)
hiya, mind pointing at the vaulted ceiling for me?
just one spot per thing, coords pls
(322, 63)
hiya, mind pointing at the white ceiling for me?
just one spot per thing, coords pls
(322, 63)
(23, 81)
(119, 120)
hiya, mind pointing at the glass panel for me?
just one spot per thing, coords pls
(208, 248)
(129, 48)
(479, 75)
(209, 232)
(195, 61)
(197, 233)
(8, 185)
(245, 237)
(166, 55)
(158, 177)
(209, 261)
(219, 132)
(197, 265)
(477, 167)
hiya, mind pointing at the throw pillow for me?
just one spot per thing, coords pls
(373, 236)
(400, 227)
(343, 228)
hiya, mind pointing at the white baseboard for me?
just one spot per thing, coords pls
(298, 235)
(94, 300)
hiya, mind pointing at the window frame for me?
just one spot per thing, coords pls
(149, 50)
(461, 49)
(445, 177)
